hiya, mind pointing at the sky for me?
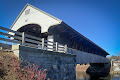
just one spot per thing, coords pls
(98, 20)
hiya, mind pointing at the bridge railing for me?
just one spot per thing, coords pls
(31, 41)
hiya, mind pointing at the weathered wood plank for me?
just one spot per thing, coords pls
(60, 45)
(9, 30)
(33, 41)
(8, 40)
(12, 36)
(49, 44)
(32, 37)
(50, 41)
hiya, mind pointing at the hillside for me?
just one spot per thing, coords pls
(11, 69)
(5, 65)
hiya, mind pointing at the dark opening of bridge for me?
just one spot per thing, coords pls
(34, 30)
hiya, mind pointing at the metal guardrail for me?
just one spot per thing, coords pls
(31, 41)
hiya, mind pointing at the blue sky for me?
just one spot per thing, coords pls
(98, 20)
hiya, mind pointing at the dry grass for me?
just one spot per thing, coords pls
(5, 65)
(11, 69)
(82, 68)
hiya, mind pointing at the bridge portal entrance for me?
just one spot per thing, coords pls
(34, 30)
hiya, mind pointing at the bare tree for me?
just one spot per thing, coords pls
(119, 54)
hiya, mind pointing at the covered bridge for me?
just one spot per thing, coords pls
(38, 23)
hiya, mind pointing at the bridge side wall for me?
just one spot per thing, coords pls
(60, 66)
(86, 58)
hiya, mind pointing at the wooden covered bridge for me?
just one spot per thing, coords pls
(36, 22)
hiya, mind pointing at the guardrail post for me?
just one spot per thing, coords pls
(56, 46)
(23, 38)
(65, 48)
(43, 43)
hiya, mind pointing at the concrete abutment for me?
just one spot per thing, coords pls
(60, 66)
